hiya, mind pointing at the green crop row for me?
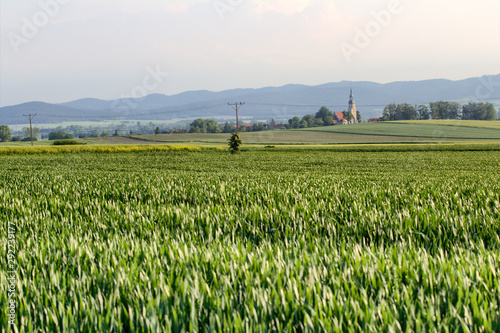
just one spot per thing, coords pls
(95, 149)
(218, 146)
(263, 241)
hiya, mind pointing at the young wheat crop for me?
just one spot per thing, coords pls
(261, 241)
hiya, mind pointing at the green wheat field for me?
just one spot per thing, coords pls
(194, 240)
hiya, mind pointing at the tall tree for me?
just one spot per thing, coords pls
(405, 112)
(423, 112)
(257, 127)
(294, 122)
(479, 111)
(326, 115)
(389, 112)
(227, 128)
(444, 110)
(205, 126)
(27, 132)
(212, 126)
(318, 122)
(5, 133)
(310, 120)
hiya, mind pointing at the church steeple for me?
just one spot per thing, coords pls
(352, 108)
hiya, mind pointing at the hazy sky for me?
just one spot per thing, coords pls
(61, 50)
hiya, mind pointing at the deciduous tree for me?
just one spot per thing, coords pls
(479, 111)
(27, 132)
(5, 133)
(227, 128)
(444, 110)
(389, 112)
(326, 115)
(423, 112)
(294, 122)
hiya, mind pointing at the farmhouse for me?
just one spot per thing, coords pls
(339, 119)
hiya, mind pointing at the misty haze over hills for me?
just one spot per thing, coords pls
(264, 103)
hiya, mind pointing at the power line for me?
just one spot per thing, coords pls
(30, 116)
(236, 106)
(313, 105)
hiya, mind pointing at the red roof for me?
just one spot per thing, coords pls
(339, 115)
(245, 125)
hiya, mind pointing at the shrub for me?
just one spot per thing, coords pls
(67, 143)
(235, 143)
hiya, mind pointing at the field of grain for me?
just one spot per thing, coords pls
(428, 130)
(386, 132)
(279, 138)
(451, 122)
(262, 241)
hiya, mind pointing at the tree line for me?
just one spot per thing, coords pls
(439, 110)
(6, 134)
(212, 126)
(78, 131)
(324, 117)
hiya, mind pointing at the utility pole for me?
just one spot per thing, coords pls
(30, 116)
(237, 106)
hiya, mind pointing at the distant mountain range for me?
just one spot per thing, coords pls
(264, 103)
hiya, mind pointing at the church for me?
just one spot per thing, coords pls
(338, 117)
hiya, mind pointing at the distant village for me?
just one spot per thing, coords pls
(324, 117)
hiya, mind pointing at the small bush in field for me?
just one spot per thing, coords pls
(67, 143)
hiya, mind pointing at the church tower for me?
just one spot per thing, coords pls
(352, 109)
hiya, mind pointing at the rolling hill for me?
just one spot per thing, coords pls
(264, 103)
